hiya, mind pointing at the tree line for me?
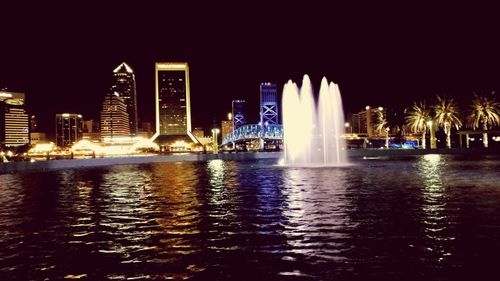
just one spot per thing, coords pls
(483, 113)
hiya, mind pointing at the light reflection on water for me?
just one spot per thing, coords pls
(430, 216)
(435, 219)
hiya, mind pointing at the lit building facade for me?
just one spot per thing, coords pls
(91, 130)
(69, 129)
(33, 123)
(114, 119)
(145, 130)
(14, 122)
(37, 137)
(226, 128)
(173, 107)
(268, 104)
(124, 85)
(198, 132)
(363, 122)
(239, 116)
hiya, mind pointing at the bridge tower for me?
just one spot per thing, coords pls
(239, 118)
(268, 108)
(268, 104)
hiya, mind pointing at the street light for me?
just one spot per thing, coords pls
(348, 125)
(215, 148)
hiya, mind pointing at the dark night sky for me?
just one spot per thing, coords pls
(62, 56)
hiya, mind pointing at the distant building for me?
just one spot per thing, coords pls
(363, 122)
(114, 119)
(198, 132)
(146, 126)
(145, 130)
(268, 104)
(239, 116)
(226, 128)
(173, 109)
(124, 85)
(206, 142)
(33, 123)
(90, 126)
(37, 137)
(358, 123)
(69, 129)
(14, 122)
(91, 130)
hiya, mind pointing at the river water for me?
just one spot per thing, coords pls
(430, 217)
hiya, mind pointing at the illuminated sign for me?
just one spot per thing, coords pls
(172, 65)
(5, 95)
(14, 101)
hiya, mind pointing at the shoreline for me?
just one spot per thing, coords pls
(47, 165)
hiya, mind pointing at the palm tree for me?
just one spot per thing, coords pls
(382, 125)
(485, 113)
(446, 111)
(417, 119)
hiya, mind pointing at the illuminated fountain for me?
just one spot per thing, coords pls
(312, 133)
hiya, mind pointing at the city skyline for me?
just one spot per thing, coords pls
(217, 140)
(376, 56)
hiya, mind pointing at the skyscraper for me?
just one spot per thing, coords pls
(173, 109)
(124, 85)
(268, 104)
(14, 122)
(114, 119)
(239, 118)
(69, 129)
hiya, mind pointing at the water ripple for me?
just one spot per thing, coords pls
(433, 216)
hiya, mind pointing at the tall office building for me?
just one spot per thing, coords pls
(173, 108)
(124, 85)
(268, 104)
(14, 122)
(69, 129)
(239, 118)
(114, 119)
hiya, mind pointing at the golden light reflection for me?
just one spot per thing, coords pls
(216, 172)
(176, 185)
(219, 195)
(431, 171)
(434, 207)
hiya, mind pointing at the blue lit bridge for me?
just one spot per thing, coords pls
(255, 131)
(268, 133)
